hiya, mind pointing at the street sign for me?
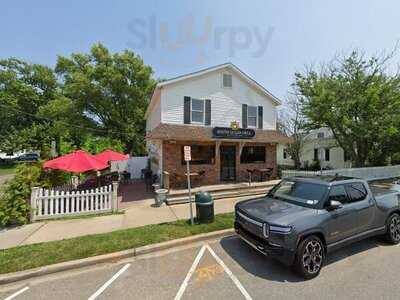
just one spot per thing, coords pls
(188, 157)
(187, 153)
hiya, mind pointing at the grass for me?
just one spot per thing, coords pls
(36, 255)
(7, 169)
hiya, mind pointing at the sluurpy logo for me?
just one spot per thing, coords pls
(203, 36)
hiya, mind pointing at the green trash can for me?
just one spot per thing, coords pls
(204, 207)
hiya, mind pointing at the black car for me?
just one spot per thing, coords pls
(301, 220)
(27, 157)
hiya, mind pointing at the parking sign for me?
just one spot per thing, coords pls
(187, 153)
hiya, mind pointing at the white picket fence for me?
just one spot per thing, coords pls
(51, 204)
(372, 173)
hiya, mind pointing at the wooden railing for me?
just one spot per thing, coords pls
(51, 204)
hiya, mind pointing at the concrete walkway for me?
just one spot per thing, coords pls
(138, 214)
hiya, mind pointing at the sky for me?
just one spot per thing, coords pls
(270, 40)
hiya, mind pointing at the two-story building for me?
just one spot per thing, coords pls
(227, 118)
(319, 144)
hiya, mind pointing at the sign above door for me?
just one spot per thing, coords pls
(231, 133)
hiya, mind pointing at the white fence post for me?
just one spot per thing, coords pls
(34, 194)
(114, 196)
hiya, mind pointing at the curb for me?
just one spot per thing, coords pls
(112, 257)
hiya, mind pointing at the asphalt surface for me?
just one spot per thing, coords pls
(366, 270)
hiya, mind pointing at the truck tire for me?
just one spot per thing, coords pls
(310, 256)
(393, 229)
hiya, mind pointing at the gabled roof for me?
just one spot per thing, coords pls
(230, 66)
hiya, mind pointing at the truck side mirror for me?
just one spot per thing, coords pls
(334, 205)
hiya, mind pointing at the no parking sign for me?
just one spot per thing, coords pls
(187, 153)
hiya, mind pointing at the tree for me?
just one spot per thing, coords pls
(291, 122)
(113, 90)
(24, 88)
(359, 100)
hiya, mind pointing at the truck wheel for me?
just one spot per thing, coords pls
(393, 229)
(310, 257)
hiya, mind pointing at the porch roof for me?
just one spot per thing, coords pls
(204, 134)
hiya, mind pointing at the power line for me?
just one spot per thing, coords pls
(63, 122)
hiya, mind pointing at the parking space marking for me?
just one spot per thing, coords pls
(17, 293)
(190, 273)
(111, 280)
(230, 274)
(221, 263)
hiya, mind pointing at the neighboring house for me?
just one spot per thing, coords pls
(227, 118)
(319, 145)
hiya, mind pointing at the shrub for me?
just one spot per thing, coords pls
(15, 194)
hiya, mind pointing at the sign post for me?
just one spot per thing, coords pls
(188, 157)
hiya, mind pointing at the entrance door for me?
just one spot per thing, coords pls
(228, 163)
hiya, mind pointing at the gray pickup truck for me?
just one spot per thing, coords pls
(303, 218)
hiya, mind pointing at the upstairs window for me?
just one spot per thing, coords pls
(197, 111)
(227, 80)
(320, 135)
(252, 116)
(252, 154)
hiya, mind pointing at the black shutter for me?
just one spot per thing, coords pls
(244, 115)
(208, 112)
(260, 117)
(186, 110)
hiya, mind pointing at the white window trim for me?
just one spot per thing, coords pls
(191, 110)
(248, 123)
(222, 81)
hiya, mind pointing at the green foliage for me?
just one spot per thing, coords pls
(359, 101)
(96, 97)
(96, 145)
(24, 88)
(41, 254)
(315, 166)
(113, 89)
(15, 194)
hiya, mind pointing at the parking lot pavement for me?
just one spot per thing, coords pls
(223, 269)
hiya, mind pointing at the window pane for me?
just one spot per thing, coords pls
(201, 155)
(303, 192)
(252, 154)
(197, 116)
(197, 104)
(327, 154)
(252, 111)
(252, 121)
(227, 80)
(356, 192)
(338, 193)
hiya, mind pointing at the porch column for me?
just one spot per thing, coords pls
(218, 160)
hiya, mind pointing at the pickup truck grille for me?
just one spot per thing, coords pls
(251, 225)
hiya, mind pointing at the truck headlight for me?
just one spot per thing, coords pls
(280, 229)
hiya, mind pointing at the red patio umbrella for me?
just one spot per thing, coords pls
(109, 155)
(76, 162)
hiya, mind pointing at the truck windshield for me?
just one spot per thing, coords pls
(302, 193)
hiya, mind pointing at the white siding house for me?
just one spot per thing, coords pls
(318, 144)
(186, 109)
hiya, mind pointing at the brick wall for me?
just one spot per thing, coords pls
(172, 163)
(270, 162)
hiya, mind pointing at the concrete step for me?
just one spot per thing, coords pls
(233, 193)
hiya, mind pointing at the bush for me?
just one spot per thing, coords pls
(316, 165)
(15, 194)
